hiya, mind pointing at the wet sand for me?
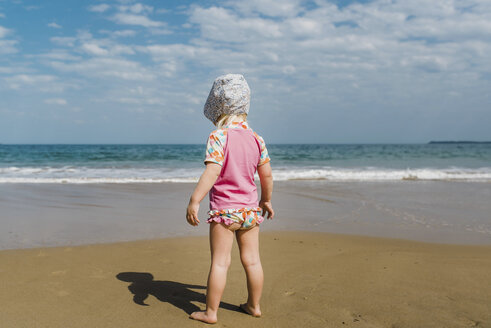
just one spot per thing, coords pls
(312, 280)
(37, 215)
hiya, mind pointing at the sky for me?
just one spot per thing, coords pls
(382, 71)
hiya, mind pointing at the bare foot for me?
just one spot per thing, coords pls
(254, 311)
(203, 316)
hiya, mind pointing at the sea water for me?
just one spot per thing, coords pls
(184, 163)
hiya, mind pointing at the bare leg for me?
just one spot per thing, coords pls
(248, 241)
(221, 240)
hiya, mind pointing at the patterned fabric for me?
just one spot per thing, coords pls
(247, 217)
(215, 153)
(230, 94)
(218, 138)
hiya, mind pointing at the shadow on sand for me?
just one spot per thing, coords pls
(178, 294)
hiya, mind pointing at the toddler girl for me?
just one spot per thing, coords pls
(234, 153)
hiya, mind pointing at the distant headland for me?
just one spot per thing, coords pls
(459, 142)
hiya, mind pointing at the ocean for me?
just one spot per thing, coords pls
(76, 164)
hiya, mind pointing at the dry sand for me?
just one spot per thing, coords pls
(312, 280)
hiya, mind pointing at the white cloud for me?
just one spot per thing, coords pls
(8, 47)
(289, 69)
(6, 69)
(160, 31)
(142, 101)
(31, 79)
(163, 52)
(57, 54)
(222, 24)
(273, 8)
(55, 101)
(84, 35)
(427, 62)
(3, 32)
(19, 80)
(137, 8)
(120, 33)
(54, 25)
(370, 36)
(44, 83)
(2, 15)
(99, 8)
(109, 68)
(94, 49)
(86, 43)
(63, 41)
(104, 47)
(132, 19)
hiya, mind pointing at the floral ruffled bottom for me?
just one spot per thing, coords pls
(248, 217)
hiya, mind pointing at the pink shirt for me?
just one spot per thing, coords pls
(239, 150)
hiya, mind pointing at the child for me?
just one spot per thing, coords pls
(234, 152)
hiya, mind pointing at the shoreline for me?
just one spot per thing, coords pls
(312, 279)
(268, 231)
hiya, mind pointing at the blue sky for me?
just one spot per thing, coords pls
(320, 71)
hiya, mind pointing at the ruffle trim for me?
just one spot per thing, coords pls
(226, 216)
(227, 221)
(234, 210)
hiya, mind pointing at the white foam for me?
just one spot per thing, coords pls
(85, 175)
(95, 180)
(379, 174)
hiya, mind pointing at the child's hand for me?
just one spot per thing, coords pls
(192, 213)
(267, 208)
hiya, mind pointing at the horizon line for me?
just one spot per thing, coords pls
(270, 143)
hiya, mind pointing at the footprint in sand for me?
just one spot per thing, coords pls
(467, 322)
(357, 319)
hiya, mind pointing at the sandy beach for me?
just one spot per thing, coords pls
(412, 254)
(312, 280)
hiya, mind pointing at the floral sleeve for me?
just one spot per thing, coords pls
(264, 151)
(215, 146)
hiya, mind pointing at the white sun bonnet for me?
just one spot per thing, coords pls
(230, 95)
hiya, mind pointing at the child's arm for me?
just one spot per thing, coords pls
(266, 178)
(206, 181)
